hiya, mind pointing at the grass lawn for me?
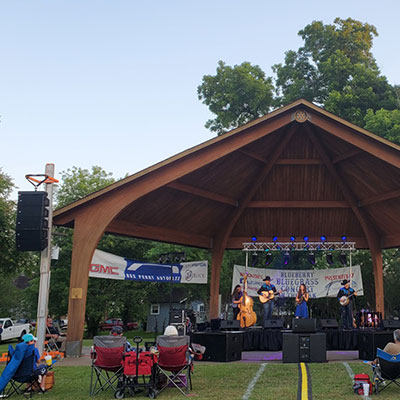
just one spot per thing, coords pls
(230, 381)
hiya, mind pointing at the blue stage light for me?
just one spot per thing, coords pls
(305, 238)
(344, 238)
(323, 238)
(254, 238)
(292, 238)
(275, 238)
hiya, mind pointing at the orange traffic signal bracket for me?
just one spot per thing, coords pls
(37, 182)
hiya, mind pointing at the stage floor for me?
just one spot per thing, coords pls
(276, 356)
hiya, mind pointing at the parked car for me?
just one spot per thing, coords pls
(9, 330)
(107, 325)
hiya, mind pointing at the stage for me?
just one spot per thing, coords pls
(259, 339)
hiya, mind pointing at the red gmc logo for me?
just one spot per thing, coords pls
(101, 269)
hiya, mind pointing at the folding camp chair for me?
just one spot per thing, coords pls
(106, 363)
(387, 371)
(26, 378)
(174, 363)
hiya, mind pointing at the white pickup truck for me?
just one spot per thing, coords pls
(9, 330)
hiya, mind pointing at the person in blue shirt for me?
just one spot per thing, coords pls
(301, 301)
(267, 287)
(346, 310)
(118, 331)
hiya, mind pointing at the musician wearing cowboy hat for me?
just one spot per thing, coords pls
(345, 297)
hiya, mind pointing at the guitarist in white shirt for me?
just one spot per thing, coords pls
(345, 297)
(267, 293)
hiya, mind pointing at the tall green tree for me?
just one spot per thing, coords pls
(235, 95)
(336, 68)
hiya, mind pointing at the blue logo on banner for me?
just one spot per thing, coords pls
(146, 272)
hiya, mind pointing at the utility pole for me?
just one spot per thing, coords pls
(45, 261)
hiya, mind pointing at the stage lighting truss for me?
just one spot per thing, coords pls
(299, 246)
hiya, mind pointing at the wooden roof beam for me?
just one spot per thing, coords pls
(369, 231)
(346, 155)
(299, 204)
(283, 161)
(202, 193)
(379, 198)
(221, 238)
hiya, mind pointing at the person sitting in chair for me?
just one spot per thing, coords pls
(39, 370)
(54, 334)
(118, 331)
(391, 348)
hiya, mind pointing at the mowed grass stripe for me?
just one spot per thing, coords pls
(278, 381)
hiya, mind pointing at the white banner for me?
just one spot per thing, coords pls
(319, 282)
(110, 266)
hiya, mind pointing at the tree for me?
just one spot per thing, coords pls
(236, 95)
(335, 68)
(384, 123)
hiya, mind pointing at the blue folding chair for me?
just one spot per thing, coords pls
(387, 370)
(20, 374)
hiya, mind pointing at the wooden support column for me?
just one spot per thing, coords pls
(376, 255)
(216, 265)
(86, 237)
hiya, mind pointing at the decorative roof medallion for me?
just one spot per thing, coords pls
(301, 116)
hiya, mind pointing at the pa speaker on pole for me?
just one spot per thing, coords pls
(32, 221)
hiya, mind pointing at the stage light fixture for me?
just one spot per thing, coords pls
(305, 238)
(254, 259)
(329, 258)
(268, 258)
(344, 238)
(254, 238)
(323, 238)
(275, 238)
(292, 238)
(343, 259)
(311, 258)
(286, 258)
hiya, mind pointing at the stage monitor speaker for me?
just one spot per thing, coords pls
(227, 325)
(368, 342)
(304, 325)
(215, 324)
(220, 346)
(273, 324)
(303, 347)
(390, 324)
(177, 316)
(31, 233)
(328, 324)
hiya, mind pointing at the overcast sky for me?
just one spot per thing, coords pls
(114, 83)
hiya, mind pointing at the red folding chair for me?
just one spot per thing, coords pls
(174, 363)
(106, 363)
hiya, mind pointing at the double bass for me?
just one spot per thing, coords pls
(246, 316)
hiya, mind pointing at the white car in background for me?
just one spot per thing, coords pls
(9, 330)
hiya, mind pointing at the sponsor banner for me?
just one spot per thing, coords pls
(110, 266)
(319, 282)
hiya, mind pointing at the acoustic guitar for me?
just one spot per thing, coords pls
(267, 295)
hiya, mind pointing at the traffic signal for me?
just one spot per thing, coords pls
(32, 221)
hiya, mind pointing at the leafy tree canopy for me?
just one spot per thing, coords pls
(235, 95)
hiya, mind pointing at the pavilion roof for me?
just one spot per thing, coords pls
(298, 170)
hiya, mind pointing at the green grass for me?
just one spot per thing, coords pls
(230, 381)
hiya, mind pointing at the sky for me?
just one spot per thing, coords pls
(114, 83)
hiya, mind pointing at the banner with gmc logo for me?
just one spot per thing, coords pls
(110, 266)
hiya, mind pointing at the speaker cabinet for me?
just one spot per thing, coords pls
(390, 324)
(306, 325)
(303, 347)
(230, 325)
(273, 324)
(328, 324)
(32, 223)
(215, 324)
(368, 342)
(220, 346)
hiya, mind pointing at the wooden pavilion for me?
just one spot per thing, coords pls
(296, 171)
